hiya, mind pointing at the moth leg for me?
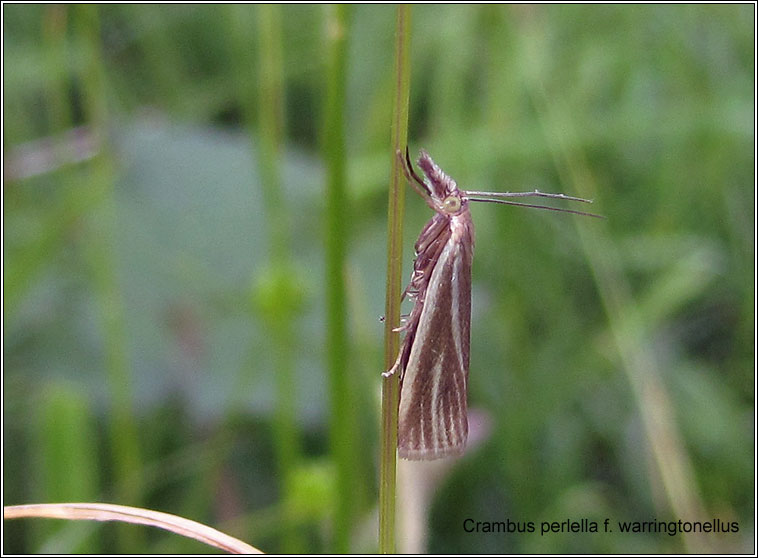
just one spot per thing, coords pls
(395, 366)
(414, 180)
(403, 324)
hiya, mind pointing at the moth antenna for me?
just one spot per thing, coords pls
(534, 206)
(533, 194)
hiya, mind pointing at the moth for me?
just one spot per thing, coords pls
(433, 361)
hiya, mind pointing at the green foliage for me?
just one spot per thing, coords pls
(614, 361)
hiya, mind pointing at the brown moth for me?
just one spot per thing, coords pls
(433, 361)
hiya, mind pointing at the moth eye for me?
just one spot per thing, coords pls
(452, 204)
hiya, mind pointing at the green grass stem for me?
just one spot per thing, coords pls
(342, 395)
(391, 385)
(278, 314)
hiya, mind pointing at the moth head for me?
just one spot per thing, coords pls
(452, 204)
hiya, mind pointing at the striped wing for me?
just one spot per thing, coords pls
(433, 420)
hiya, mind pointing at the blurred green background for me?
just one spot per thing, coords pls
(165, 271)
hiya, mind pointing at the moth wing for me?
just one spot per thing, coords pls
(433, 420)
